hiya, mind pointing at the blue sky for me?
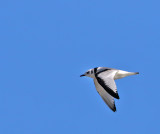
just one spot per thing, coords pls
(46, 45)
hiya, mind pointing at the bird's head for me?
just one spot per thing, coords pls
(89, 73)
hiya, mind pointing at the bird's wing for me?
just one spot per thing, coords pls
(108, 99)
(106, 80)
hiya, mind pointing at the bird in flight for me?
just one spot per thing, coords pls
(104, 82)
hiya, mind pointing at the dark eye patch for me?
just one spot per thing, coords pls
(91, 71)
(87, 72)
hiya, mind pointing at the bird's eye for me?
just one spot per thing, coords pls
(87, 72)
(91, 71)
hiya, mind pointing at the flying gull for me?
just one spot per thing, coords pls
(104, 82)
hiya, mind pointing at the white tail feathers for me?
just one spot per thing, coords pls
(121, 74)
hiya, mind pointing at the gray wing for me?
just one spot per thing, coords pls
(108, 99)
(101, 69)
(106, 79)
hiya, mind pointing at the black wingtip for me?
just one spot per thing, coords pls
(136, 72)
(117, 96)
(114, 109)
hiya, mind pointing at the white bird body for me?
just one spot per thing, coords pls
(104, 82)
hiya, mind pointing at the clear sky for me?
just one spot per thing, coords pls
(46, 45)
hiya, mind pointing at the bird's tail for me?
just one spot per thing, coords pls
(136, 72)
(121, 74)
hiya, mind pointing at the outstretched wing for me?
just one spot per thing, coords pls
(108, 99)
(106, 79)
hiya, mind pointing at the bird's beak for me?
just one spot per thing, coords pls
(82, 75)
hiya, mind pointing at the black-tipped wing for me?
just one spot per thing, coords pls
(106, 80)
(108, 99)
